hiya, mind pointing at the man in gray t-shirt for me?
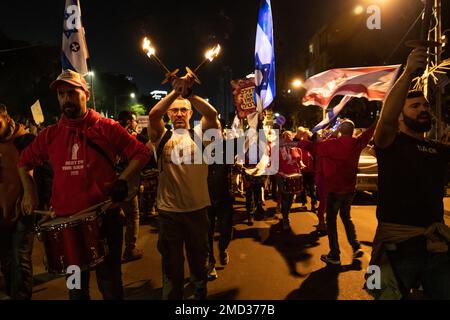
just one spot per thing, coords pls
(183, 189)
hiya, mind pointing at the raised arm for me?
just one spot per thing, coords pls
(209, 114)
(387, 127)
(156, 114)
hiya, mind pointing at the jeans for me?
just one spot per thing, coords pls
(340, 203)
(131, 211)
(223, 212)
(16, 245)
(414, 265)
(176, 231)
(108, 272)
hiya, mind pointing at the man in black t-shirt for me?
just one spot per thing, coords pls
(411, 179)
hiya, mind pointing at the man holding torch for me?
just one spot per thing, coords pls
(183, 195)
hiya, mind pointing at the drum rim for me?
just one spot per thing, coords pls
(63, 272)
(68, 221)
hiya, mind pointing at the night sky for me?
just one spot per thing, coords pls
(180, 31)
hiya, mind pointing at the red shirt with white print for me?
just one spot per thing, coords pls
(82, 177)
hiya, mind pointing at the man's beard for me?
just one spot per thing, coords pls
(416, 125)
(71, 111)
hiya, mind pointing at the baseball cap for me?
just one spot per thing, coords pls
(70, 77)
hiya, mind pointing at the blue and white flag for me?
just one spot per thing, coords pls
(264, 58)
(331, 115)
(74, 49)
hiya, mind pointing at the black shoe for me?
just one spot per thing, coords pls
(260, 214)
(212, 273)
(358, 253)
(327, 258)
(132, 254)
(250, 220)
(259, 217)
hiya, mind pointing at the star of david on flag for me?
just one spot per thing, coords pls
(264, 58)
(74, 53)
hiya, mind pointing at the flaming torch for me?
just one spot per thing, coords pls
(210, 55)
(150, 52)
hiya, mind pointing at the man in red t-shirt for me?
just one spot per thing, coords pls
(340, 159)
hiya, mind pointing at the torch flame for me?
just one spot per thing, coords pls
(212, 53)
(148, 48)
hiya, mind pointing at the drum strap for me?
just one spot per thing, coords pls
(99, 150)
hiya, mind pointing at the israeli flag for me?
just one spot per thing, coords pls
(74, 49)
(331, 115)
(264, 58)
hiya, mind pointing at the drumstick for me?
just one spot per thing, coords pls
(104, 205)
(45, 213)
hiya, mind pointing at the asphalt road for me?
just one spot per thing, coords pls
(265, 263)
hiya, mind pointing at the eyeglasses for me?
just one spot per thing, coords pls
(177, 110)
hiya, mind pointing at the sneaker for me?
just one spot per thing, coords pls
(286, 225)
(212, 273)
(327, 258)
(224, 257)
(132, 254)
(358, 253)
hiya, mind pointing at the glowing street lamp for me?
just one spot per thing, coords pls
(297, 83)
(358, 10)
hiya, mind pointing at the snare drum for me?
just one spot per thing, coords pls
(292, 183)
(73, 240)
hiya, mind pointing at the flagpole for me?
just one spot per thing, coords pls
(91, 75)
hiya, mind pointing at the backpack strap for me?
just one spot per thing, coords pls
(166, 137)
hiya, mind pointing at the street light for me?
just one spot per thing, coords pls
(297, 83)
(358, 10)
(132, 95)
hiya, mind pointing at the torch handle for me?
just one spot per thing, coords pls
(161, 63)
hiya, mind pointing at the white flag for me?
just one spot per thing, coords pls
(37, 113)
(373, 83)
(74, 49)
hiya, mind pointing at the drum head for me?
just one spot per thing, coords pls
(66, 221)
(92, 215)
(54, 222)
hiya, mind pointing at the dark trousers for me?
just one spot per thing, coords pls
(223, 214)
(340, 203)
(286, 198)
(109, 272)
(253, 194)
(309, 188)
(414, 265)
(16, 246)
(179, 230)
